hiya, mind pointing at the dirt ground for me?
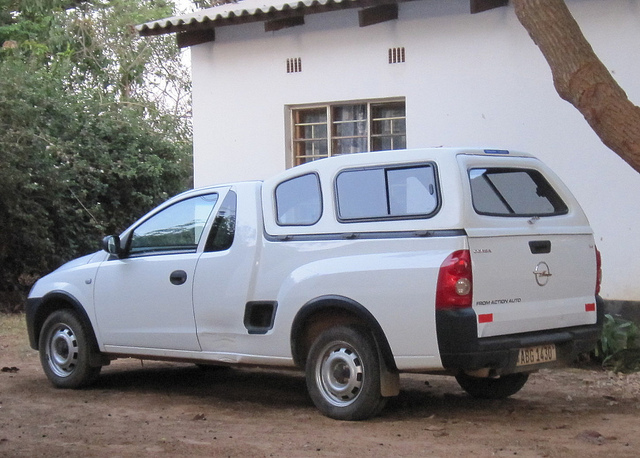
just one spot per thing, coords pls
(162, 409)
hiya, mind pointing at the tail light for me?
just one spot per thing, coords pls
(598, 271)
(455, 281)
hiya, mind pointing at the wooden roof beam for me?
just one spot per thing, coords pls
(478, 6)
(377, 14)
(283, 23)
(195, 37)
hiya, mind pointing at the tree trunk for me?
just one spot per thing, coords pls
(580, 78)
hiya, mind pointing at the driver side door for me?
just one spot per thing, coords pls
(145, 300)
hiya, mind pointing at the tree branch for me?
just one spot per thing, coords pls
(581, 78)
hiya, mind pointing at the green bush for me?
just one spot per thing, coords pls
(73, 168)
(87, 143)
(619, 345)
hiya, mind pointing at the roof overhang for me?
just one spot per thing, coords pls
(198, 27)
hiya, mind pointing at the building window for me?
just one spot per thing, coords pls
(344, 128)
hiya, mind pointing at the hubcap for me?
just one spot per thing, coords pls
(62, 351)
(340, 374)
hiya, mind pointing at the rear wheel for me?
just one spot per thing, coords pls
(66, 351)
(343, 374)
(492, 388)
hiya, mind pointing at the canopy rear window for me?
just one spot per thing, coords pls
(513, 192)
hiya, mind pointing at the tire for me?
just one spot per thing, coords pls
(343, 374)
(492, 388)
(66, 349)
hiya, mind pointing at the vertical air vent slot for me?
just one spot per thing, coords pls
(396, 55)
(294, 65)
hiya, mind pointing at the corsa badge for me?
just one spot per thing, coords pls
(542, 273)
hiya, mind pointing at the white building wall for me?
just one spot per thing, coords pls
(469, 80)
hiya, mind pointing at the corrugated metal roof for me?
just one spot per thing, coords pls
(245, 11)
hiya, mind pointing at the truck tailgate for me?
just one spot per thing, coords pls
(524, 283)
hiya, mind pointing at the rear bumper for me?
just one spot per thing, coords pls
(461, 349)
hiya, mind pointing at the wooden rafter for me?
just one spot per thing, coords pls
(378, 14)
(478, 6)
(279, 24)
(186, 39)
(372, 12)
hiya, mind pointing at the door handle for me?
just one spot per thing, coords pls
(178, 277)
(540, 246)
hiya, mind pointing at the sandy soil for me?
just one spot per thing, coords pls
(162, 409)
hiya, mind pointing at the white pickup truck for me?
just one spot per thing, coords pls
(475, 263)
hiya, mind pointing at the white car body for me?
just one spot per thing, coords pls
(257, 301)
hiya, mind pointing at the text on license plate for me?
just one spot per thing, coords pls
(536, 355)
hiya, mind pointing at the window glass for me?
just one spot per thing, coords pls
(349, 129)
(513, 192)
(299, 201)
(176, 228)
(399, 192)
(388, 126)
(362, 194)
(224, 226)
(411, 191)
(310, 134)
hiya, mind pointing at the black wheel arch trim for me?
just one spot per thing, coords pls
(348, 305)
(39, 308)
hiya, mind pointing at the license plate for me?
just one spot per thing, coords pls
(536, 355)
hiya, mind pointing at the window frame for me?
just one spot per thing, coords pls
(294, 159)
(386, 168)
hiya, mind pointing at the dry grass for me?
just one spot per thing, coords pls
(13, 336)
(12, 325)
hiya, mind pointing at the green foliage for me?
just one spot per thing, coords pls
(619, 346)
(81, 155)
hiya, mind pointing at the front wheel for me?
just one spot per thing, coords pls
(492, 388)
(66, 350)
(343, 374)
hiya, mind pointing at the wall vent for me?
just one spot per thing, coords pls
(294, 65)
(396, 55)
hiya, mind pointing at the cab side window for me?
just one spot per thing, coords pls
(177, 228)
(224, 226)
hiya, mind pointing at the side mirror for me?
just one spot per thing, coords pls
(111, 244)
